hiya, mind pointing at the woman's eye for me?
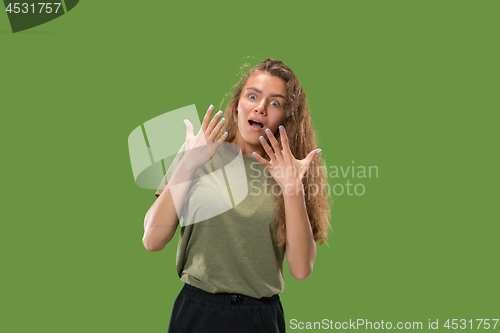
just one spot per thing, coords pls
(253, 96)
(275, 103)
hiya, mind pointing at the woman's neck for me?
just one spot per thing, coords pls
(247, 148)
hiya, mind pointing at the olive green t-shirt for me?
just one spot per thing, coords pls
(226, 242)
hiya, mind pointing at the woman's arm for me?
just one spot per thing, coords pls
(300, 244)
(161, 220)
(288, 172)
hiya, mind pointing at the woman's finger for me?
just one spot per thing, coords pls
(223, 137)
(276, 146)
(219, 142)
(189, 129)
(262, 160)
(206, 119)
(216, 130)
(212, 124)
(286, 152)
(268, 150)
(306, 162)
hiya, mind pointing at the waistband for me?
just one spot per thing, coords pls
(226, 298)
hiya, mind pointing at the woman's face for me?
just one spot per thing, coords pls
(261, 100)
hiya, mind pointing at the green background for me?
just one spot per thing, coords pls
(408, 86)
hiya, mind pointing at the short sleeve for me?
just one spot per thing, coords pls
(171, 170)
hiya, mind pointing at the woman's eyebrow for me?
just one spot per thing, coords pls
(260, 91)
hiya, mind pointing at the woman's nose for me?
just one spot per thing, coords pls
(261, 108)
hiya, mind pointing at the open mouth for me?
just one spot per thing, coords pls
(256, 125)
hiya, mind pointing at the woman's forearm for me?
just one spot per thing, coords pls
(161, 220)
(300, 244)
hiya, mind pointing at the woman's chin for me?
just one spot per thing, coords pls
(252, 140)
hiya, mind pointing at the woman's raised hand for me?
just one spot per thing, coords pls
(284, 167)
(200, 148)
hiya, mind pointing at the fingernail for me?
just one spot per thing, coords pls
(268, 131)
(319, 151)
(222, 120)
(261, 138)
(211, 107)
(254, 154)
(219, 113)
(225, 133)
(281, 128)
(185, 121)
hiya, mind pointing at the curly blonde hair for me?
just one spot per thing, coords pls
(301, 139)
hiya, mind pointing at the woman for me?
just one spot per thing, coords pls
(232, 263)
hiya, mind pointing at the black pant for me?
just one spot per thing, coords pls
(197, 311)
